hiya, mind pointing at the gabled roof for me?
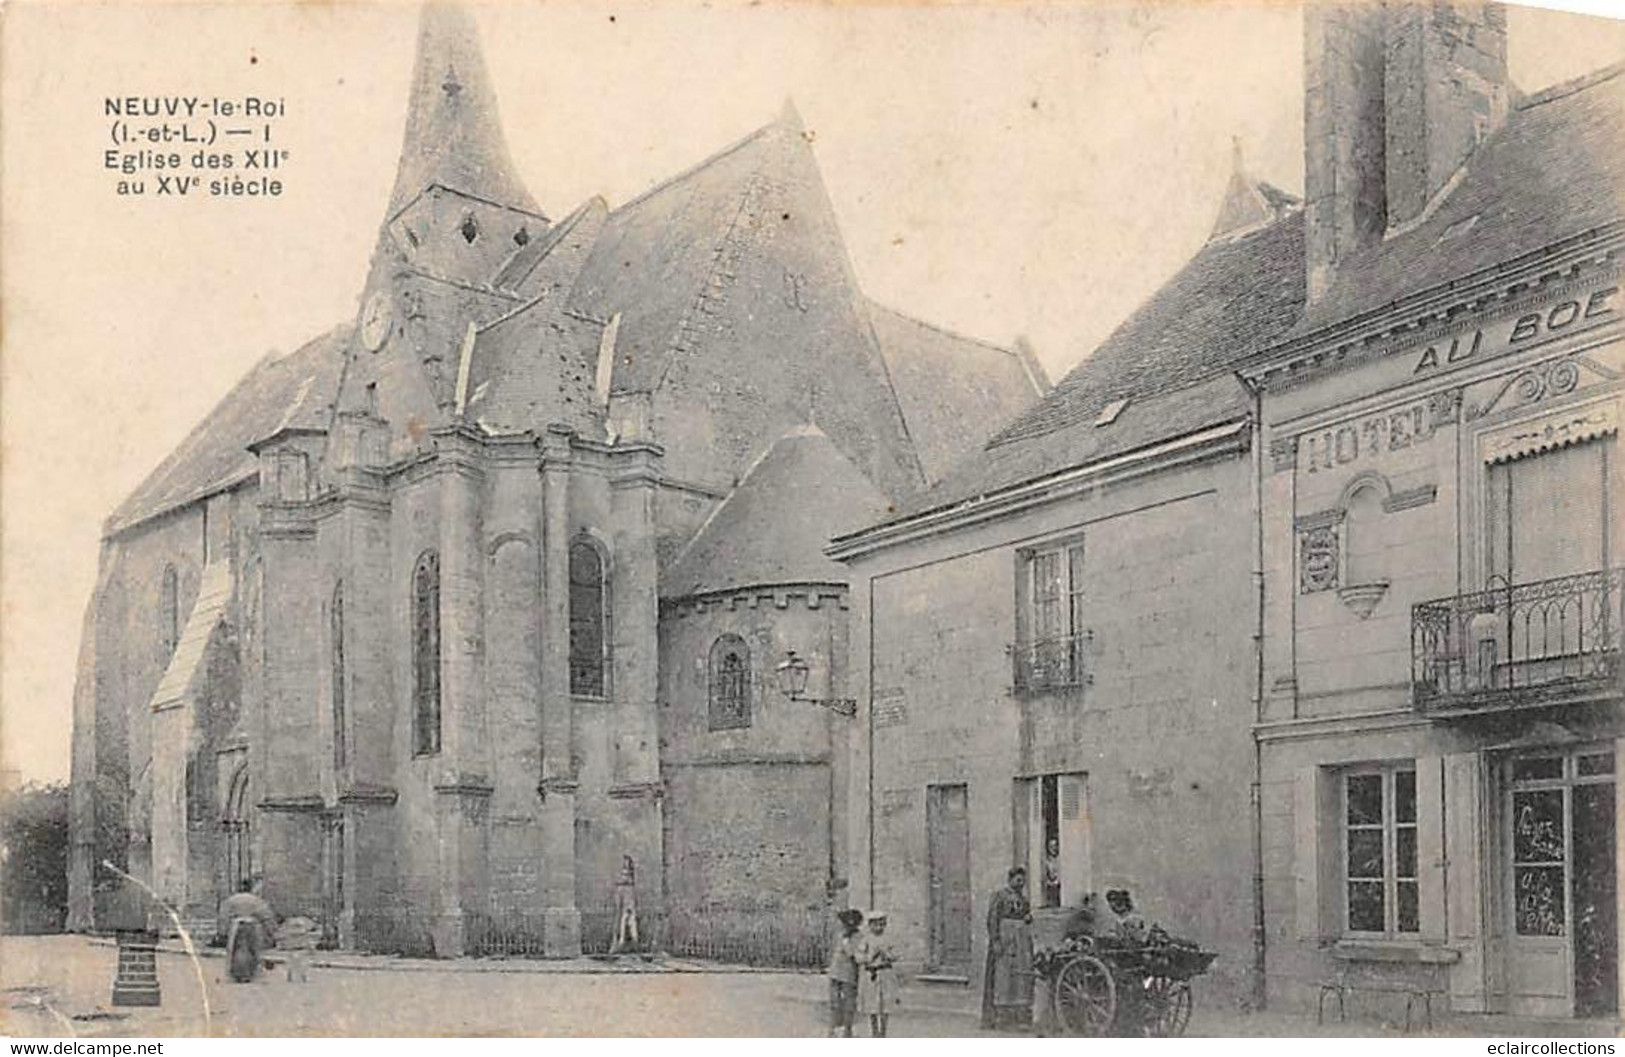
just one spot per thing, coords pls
(1555, 168)
(773, 527)
(1169, 362)
(453, 135)
(741, 315)
(954, 391)
(658, 252)
(295, 391)
(536, 365)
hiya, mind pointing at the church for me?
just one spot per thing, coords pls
(439, 623)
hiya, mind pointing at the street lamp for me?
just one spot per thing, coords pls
(792, 674)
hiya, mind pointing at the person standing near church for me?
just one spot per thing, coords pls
(248, 923)
(626, 907)
(877, 977)
(843, 973)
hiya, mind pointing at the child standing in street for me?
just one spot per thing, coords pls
(843, 974)
(297, 938)
(877, 982)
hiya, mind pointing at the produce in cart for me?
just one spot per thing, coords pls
(1104, 985)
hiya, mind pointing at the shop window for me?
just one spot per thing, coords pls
(729, 683)
(426, 655)
(589, 620)
(1379, 845)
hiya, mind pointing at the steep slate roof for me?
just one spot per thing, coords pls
(741, 316)
(653, 257)
(773, 528)
(954, 391)
(1170, 361)
(1551, 171)
(292, 391)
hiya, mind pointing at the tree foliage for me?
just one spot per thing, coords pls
(34, 858)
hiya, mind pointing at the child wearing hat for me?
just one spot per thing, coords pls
(843, 973)
(877, 983)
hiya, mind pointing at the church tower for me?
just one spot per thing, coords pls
(458, 213)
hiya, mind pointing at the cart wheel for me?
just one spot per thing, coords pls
(1168, 1005)
(1085, 996)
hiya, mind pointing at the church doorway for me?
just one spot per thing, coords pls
(237, 844)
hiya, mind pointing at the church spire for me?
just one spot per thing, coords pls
(453, 134)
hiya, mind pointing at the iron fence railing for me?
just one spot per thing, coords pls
(1052, 664)
(1518, 643)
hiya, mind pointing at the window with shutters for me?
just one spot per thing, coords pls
(1547, 513)
(1051, 652)
(589, 619)
(1058, 833)
(426, 655)
(730, 683)
(1379, 852)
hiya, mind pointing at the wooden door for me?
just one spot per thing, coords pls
(947, 822)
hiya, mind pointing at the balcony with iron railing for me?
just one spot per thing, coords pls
(1060, 663)
(1546, 642)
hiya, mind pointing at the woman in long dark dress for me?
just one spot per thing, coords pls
(246, 920)
(1007, 986)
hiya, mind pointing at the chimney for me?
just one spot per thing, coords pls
(1343, 123)
(1446, 88)
(1397, 96)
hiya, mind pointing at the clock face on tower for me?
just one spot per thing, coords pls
(375, 321)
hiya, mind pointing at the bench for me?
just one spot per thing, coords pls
(1413, 992)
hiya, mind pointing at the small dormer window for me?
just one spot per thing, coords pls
(1109, 413)
(521, 236)
(470, 229)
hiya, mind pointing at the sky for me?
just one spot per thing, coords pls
(1002, 170)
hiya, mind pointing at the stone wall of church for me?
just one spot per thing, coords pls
(752, 794)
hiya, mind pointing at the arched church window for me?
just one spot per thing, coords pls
(336, 616)
(470, 228)
(1363, 526)
(169, 612)
(730, 683)
(426, 655)
(589, 620)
